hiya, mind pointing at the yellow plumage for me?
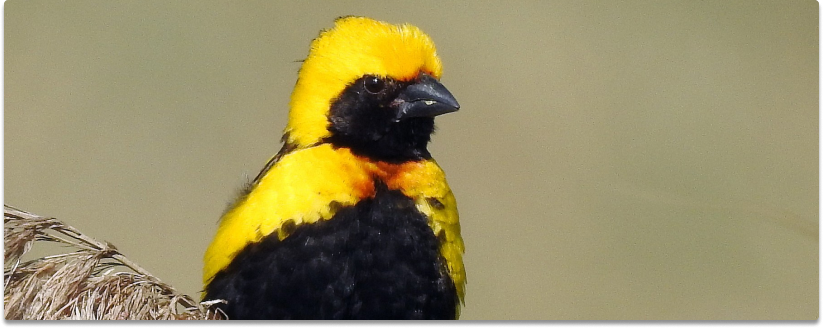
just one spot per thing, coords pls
(356, 46)
(290, 192)
(313, 179)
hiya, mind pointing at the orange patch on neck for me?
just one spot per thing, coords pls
(396, 176)
(401, 177)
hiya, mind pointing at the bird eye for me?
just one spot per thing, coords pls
(374, 84)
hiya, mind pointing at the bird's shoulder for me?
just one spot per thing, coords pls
(303, 186)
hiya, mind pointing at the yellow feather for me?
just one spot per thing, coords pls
(354, 47)
(302, 185)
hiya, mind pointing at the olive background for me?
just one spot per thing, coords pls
(611, 160)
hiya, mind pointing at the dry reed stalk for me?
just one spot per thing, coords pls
(94, 281)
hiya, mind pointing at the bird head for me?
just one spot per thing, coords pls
(371, 87)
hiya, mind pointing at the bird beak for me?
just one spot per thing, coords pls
(425, 98)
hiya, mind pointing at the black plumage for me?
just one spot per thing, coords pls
(376, 260)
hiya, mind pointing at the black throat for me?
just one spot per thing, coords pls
(365, 122)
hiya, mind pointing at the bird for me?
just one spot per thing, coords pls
(352, 218)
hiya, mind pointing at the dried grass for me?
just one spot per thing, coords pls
(93, 281)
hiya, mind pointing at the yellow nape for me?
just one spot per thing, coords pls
(300, 187)
(356, 46)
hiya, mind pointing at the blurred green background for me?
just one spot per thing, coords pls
(611, 160)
